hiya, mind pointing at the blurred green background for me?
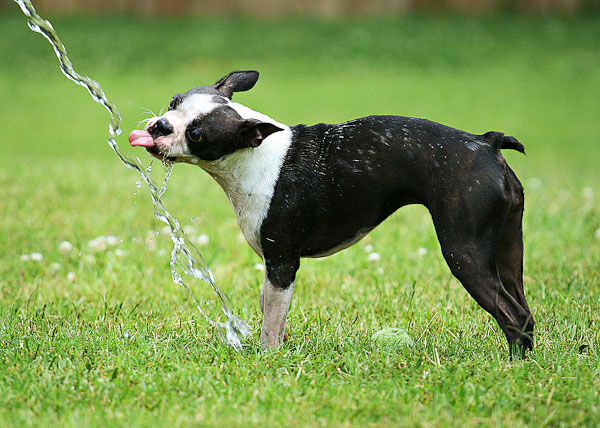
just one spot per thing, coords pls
(529, 69)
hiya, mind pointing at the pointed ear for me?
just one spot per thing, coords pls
(236, 81)
(253, 132)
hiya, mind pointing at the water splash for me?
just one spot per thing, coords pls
(185, 257)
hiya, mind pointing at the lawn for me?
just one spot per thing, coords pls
(98, 335)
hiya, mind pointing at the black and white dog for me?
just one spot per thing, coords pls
(310, 191)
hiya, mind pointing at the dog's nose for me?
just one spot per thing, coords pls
(161, 127)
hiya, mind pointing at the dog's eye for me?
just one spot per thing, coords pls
(194, 135)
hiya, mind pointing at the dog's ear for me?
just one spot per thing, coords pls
(253, 132)
(236, 81)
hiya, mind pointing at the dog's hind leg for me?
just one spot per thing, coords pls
(469, 239)
(509, 257)
(474, 266)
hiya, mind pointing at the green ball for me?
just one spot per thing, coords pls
(392, 338)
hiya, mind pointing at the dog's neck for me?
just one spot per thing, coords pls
(248, 176)
(238, 171)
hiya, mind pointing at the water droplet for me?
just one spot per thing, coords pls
(138, 184)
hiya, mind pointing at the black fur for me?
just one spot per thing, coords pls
(237, 81)
(501, 141)
(339, 181)
(223, 131)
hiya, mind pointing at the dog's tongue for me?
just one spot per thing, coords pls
(140, 138)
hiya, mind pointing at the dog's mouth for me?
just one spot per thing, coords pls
(155, 151)
(144, 139)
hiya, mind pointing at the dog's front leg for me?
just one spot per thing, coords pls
(275, 298)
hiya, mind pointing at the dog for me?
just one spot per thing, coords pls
(311, 191)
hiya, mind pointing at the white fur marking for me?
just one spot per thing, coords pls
(248, 113)
(248, 176)
(190, 108)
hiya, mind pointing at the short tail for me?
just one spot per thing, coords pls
(501, 141)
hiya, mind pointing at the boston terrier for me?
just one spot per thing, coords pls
(311, 191)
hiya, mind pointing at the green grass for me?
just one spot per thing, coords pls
(118, 344)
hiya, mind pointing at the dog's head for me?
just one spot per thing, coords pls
(204, 125)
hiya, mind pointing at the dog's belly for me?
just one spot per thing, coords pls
(326, 248)
(343, 227)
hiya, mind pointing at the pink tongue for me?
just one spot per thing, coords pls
(140, 138)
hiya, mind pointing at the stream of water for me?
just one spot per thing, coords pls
(185, 257)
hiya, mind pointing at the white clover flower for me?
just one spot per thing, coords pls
(120, 253)
(98, 244)
(111, 241)
(201, 239)
(166, 230)
(37, 257)
(189, 229)
(65, 247)
(55, 266)
(373, 257)
(421, 251)
(102, 243)
(150, 243)
(71, 276)
(259, 266)
(368, 248)
(25, 257)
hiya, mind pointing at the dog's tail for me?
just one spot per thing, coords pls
(500, 141)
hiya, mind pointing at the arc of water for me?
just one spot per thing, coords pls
(184, 254)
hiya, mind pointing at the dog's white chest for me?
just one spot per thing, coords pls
(249, 178)
(251, 204)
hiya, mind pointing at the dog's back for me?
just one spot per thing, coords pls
(338, 182)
